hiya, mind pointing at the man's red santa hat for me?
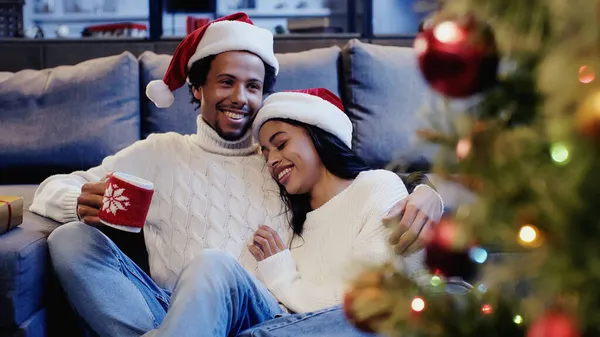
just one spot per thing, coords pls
(315, 106)
(228, 33)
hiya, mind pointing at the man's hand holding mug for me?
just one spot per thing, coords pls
(89, 201)
(120, 201)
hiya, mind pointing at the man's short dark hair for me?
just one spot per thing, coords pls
(199, 71)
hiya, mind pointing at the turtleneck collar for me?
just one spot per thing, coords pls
(208, 139)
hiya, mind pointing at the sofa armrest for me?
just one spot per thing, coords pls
(24, 265)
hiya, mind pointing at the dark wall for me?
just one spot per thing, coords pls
(17, 55)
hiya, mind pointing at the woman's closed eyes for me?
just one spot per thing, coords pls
(281, 145)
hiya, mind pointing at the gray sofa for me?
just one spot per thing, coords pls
(70, 117)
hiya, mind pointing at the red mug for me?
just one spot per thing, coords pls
(126, 202)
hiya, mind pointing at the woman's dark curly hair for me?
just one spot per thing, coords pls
(199, 71)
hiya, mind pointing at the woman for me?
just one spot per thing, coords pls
(337, 203)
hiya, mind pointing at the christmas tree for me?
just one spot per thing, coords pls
(528, 146)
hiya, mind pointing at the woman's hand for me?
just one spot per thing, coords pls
(266, 243)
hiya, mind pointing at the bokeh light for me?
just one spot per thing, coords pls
(528, 234)
(417, 304)
(586, 74)
(518, 319)
(448, 32)
(463, 148)
(478, 254)
(559, 153)
(436, 281)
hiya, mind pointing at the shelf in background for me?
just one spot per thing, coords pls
(279, 13)
(81, 17)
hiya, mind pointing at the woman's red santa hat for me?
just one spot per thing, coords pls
(315, 106)
(229, 33)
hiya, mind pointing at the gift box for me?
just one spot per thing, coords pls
(11, 212)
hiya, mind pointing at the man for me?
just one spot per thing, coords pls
(212, 189)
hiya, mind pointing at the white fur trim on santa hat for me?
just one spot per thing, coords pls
(309, 109)
(226, 36)
(159, 93)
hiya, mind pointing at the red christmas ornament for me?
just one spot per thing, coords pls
(457, 60)
(447, 252)
(553, 324)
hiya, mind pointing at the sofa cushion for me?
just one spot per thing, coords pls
(67, 118)
(310, 69)
(180, 116)
(383, 93)
(313, 68)
(23, 263)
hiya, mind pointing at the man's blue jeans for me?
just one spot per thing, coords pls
(214, 296)
(328, 322)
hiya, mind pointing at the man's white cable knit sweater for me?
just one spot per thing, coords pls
(209, 193)
(337, 239)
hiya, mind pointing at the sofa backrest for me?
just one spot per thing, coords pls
(70, 117)
(67, 118)
(383, 92)
(317, 67)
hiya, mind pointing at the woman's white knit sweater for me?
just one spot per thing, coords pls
(209, 193)
(338, 239)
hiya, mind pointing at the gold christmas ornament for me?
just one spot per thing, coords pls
(587, 119)
(362, 302)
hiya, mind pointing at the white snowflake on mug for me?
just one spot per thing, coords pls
(114, 200)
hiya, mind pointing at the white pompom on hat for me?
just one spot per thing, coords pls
(234, 32)
(315, 106)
